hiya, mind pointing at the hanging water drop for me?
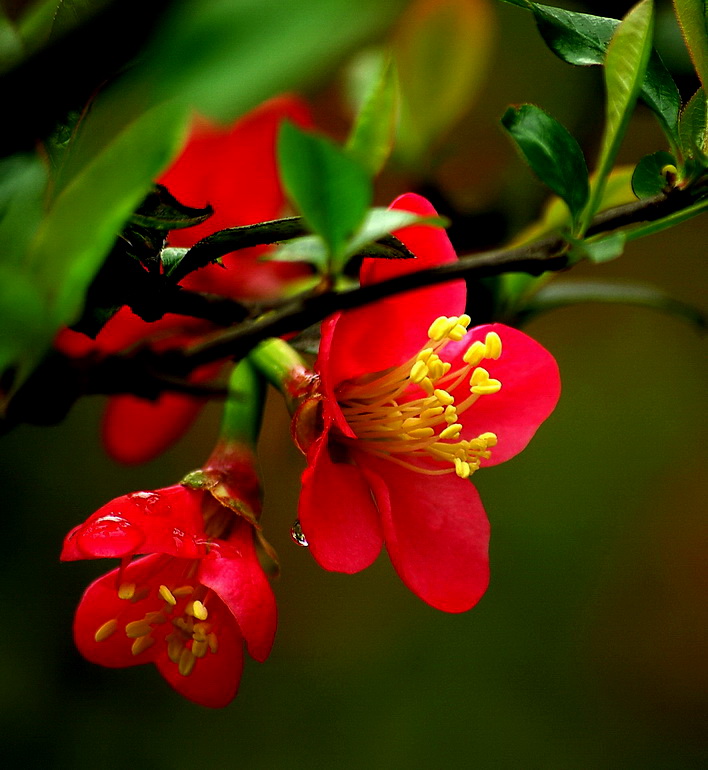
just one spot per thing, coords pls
(298, 535)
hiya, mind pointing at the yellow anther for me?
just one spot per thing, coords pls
(126, 590)
(421, 433)
(464, 320)
(185, 666)
(440, 327)
(452, 431)
(457, 332)
(419, 370)
(436, 368)
(490, 439)
(427, 385)
(462, 469)
(174, 648)
(213, 642)
(450, 414)
(141, 644)
(183, 591)
(431, 411)
(155, 617)
(199, 610)
(475, 353)
(106, 630)
(137, 628)
(486, 388)
(202, 628)
(424, 354)
(443, 397)
(200, 649)
(167, 595)
(479, 376)
(493, 345)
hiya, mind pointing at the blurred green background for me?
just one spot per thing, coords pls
(589, 649)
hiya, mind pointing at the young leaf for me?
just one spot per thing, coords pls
(373, 134)
(582, 39)
(442, 50)
(331, 190)
(552, 152)
(649, 176)
(693, 125)
(625, 66)
(692, 16)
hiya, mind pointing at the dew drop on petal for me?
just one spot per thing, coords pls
(298, 535)
(148, 502)
(109, 536)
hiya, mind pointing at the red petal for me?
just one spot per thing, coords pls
(387, 333)
(530, 390)
(436, 533)
(233, 169)
(215, 678)
(100, 603)
(136, 430)
(337, 514)
(166, 521)
(242, 586)
(213, 681)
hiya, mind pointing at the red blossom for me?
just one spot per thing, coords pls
(196, 598)
(233, 169)
(412, 404)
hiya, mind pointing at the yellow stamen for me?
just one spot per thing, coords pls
(423, 432)
(126, 590)
(137, 628)
(141, 644)
(185, 666)
(106, 630)
(167, 595)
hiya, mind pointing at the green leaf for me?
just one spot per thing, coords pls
(561, 294)
(381, 221)
(23, 179)
(582, 39)
(649, 177)
(374, 131)
(378, 224)
(552, 152)
(224, 57)
(625, 65)
(692, 16)
(79, 228)
(442, 50)
(11, 48)
(693, 125)
(331, 190)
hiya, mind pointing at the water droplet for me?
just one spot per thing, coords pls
(109, 536)
(147, 502)
(298, 535)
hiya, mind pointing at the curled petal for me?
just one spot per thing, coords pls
(388, 332)
(166, 521)
(436, 533)
(337, 514)
(241, 584)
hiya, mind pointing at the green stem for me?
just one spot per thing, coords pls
(243, 410)
(283, 367)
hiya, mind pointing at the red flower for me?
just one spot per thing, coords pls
(188, 606)
(234, 170)
(411, 405)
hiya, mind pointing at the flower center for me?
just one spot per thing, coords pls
(180, 619)
(408, 414)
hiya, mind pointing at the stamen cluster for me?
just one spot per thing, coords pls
(391, 421)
